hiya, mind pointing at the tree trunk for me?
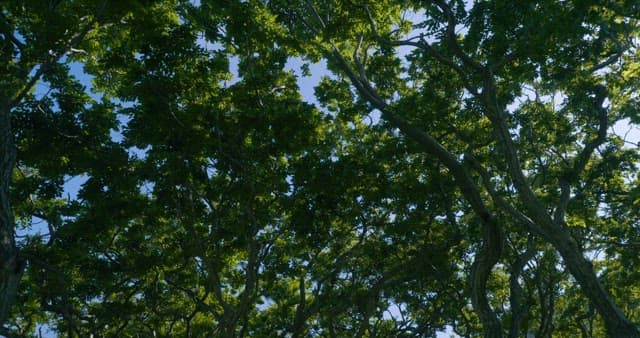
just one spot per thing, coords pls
(485, 259)
(519, 308)
(11, 265)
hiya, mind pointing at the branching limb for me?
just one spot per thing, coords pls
(519, 310)
(503, 137)
(45, 66)
(55, 55)
(583, 157)
(499, 201)
(580, 267)
(453, 39)
(316, 15)
(491, 249)
(7, 31)
(615, 55)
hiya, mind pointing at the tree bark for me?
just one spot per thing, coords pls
(484, 261)
(554, 230)
(519, 308)
(616, 323)
(11, 265)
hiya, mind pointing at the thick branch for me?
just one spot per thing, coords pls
(453, 39)
(491, 249)
(10, 265)
(583, 158)
(615, 321)
(299, 319)
(499, 201)
(8, 31)
(537, 212)
(496, 115)
(518, 309)
(53, 59)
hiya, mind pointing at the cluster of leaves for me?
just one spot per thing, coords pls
(217, 201)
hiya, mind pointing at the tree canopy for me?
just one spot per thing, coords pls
(469, 166)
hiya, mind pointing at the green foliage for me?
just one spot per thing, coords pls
(216, 200)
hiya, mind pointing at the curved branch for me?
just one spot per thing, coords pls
(583, 157)
(7, 31)
(491, 250)
(503, 137)
(499, 201)
(54, 58)
(519, 309)
(453, 39)
(616, 323)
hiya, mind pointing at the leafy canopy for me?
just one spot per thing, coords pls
(462, 165)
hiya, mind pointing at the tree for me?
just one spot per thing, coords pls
(500, 52)
(35, 38)
(459, 166)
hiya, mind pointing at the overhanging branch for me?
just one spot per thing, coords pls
(583, 157)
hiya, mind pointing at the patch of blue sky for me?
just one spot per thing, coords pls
(72, 186)
(307, 83)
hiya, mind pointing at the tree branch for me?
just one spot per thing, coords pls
(613, 57)
(583, 157)
(53, 59)
(519, 310)
(499, 201)
(8, 31)
(423, 45)
(490, 252)
(453, 39)
(537, 211)
(316, 15)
